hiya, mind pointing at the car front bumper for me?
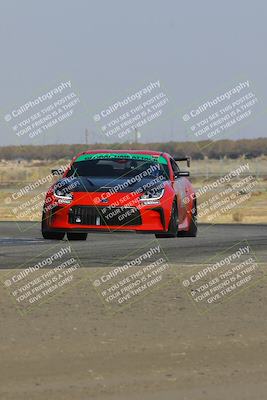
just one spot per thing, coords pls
(80, 218)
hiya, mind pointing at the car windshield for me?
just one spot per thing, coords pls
(118, 168)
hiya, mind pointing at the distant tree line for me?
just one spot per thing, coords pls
(249, 148)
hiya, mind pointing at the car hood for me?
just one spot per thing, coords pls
(108, 184)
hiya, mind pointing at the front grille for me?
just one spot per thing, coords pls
(104, 216)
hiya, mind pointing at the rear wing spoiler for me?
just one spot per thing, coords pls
(187, 159)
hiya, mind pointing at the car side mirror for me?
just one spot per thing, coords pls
(181, 173)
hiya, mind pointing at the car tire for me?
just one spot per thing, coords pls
(173, 225)
(192, 231)
(76, 236)
(50, 234)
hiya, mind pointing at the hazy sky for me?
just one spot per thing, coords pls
(112, 49)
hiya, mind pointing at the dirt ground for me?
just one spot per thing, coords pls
(72, 348)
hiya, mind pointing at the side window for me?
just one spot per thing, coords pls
(175, 167)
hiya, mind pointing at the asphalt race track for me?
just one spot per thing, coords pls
(24, 241)
(160, 347)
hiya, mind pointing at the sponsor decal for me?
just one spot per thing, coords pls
(122, 156)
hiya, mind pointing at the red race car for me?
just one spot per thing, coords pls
(113, 190)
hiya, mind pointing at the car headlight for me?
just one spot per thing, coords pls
(63, 196)
(151, 197)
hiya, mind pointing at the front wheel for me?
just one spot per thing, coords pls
(173, 225)
(76, 236)
(192, 231)
(53, 235)
(48, 233)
